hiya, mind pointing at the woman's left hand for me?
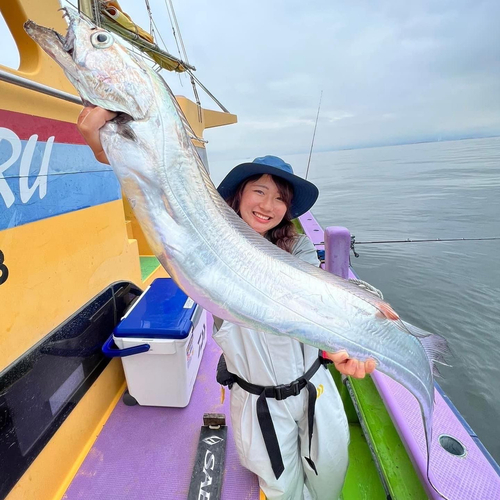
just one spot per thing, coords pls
(350, 366)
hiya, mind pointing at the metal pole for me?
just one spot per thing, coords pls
(86, 7)
(38, 87)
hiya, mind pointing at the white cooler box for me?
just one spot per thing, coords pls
(161, 341)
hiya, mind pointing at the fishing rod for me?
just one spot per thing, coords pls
(408, 240)
(314, 135)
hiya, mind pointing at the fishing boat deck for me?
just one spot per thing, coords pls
(463, 475)
(149, 452)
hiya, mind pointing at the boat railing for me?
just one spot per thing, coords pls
(38, 87)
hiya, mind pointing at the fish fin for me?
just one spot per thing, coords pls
(436, 373)
(412, 329)
(436, 347)
(386, 311)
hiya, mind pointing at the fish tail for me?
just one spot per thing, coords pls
(428, 440)
(442, 495)
(437, 350)
(436, 347)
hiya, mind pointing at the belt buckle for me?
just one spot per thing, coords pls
(284, 391)
(278, 394)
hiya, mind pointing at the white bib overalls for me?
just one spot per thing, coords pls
(271, 360)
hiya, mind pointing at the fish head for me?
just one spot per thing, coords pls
(104, 72)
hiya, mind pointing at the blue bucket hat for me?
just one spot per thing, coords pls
(305, 193)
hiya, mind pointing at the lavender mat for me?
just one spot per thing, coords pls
(148, 452)
(460, 478)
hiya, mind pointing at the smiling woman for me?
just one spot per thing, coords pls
(267, 195)
(264, 202)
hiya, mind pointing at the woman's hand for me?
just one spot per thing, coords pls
(350, 366)
(89, 122)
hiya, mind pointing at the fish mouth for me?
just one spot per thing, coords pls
(92, 80)
(68, 41)
(60, 48)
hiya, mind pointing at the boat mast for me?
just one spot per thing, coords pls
(91, 9)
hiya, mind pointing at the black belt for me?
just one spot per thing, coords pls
(278, 392)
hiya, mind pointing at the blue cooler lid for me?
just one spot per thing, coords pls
(164, 311)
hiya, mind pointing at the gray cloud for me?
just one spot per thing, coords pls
(390, 71)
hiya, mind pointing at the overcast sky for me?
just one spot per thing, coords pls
(390, 71)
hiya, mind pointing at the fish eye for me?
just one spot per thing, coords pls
(101, 40)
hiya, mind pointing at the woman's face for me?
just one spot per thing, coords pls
(261, 205)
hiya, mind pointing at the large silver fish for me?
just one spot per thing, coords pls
(217, 259)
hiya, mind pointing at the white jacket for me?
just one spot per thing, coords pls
(269, 360)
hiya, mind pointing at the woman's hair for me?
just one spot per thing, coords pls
(284, 234)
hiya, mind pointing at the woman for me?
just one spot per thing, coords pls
(267, 196)
(298, 432)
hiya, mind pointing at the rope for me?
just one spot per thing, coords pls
(159, 34)
(153, 26)
(173, 30)
(151, 30)
(173, 21)
(178, 30)
(208, 92)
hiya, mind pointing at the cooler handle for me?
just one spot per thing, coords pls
(111, 351)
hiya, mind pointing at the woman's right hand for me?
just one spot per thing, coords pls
(90, 121)
(351, 366)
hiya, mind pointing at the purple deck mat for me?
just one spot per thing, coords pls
(459, 478)
(147, 453)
